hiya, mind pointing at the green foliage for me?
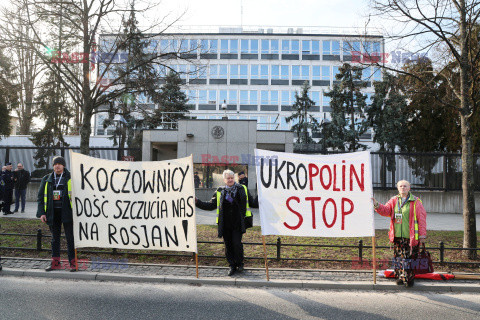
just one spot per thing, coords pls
(8, 94)
(305, 123)
(348, 111)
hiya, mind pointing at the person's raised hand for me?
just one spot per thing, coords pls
(43, 218)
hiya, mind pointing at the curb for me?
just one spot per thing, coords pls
(236, 282)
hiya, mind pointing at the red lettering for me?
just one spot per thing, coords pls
(335, 178)
(326, 186)
(55, 57)
(300, 218)
(65, 58)
(343, 176)
(205, 158)
(234, 159)
(84, 57)
(215, 160)
(335, 213)
(385, 57)
(345, 213)
(360, 182)
(224, 160)
(356, 56)
(311, 166)
(75, 57)
(313, 199)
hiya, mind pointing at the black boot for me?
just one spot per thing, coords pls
(231, 271)
(54, 265)
(240, 268)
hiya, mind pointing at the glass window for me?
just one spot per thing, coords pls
(377, 74)
(182, 69)
(316, 72)
(305, 72)
(254, 97)
(285, 98)
(347, 48)
(223, 71)
(164, 46)
(262, 123)
(295, 47)
(356, 46)
(223, 96)
(326, 47)
(335, 71)
(274, 46)
(243, 96)
(366, 74)
(275, 72)
(376, 47)
(253, 46)
(202, 96)
(367, 47)
(213, 71)
(213, 46)
(316, 97)
(254, 73)
(315, 47)
(212, 96)
(234, 46)
(224, 46)
(326, 73)
(336, 47)
(264, 71)
(232, 96)
(306, 47)
(193, 45)
(296, 72)
(243, 71)
(202, 71)
(284, 72)
(244, 46)
(234, 71)
(325, 100)
(183, 45)
(204, 46)
(283, 123)
(264, 97)
(285, 46)
(274, 97)
(265, 46)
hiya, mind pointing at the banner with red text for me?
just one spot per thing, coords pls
(315, 195)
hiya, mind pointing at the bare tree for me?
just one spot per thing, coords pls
(87, 19)
(450, 29)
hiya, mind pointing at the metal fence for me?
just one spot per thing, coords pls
(358, 261)
(425, 171)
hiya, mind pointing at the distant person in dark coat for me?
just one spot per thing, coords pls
(196, 180)
(21, 178)
(242, 179)
(7, 175)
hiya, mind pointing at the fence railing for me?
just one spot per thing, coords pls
(356, 260)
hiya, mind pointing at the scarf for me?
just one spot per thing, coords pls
(231, 192)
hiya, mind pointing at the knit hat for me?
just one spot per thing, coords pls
(59, 160)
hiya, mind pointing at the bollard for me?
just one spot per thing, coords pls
(442, 251)
(279, 246)
(39, 240)
(360, 250)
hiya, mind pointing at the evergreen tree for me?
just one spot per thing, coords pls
(305, 123)
(8, 94)
(348, 111)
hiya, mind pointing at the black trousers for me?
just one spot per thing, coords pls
(56, 230)
(233, 247)
(7, 200)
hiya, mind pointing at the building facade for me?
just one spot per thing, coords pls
(253, 73)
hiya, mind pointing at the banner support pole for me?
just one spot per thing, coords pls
(374, 261)
(196, 264)
(265, 257)
(76, 260)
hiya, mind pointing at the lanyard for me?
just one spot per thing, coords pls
(59, 179)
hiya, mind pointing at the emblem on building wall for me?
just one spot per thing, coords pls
(217, 132)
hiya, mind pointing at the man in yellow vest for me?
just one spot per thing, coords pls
(233, 203)
(55, 209)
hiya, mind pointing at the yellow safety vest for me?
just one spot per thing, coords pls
(248, 213)
(415, 217)
(45, 199)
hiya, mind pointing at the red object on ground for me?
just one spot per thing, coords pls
(431, 276)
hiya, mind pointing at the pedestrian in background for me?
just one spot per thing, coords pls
(55, 209)
(21, 178)
(242, 179)
(7, 175)
(233, 203)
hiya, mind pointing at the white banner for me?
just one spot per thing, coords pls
(133, 205)
(315, 195)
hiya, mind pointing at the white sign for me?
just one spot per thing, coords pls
(133, 205)
(315, 195)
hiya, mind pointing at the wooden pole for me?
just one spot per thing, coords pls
(374, 261)
(265, 257)
(76, 260)
(196, 263)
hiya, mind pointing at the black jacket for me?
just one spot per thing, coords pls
(240, 204)
(66, 206)
(20, 179)
(8, 179)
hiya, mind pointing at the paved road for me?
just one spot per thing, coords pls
(435, 221)
(29, 298)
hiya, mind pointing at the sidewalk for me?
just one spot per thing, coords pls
(210, 275)
(435, 221)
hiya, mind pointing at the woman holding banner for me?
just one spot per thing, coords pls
(408, 227)
(233, 203)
